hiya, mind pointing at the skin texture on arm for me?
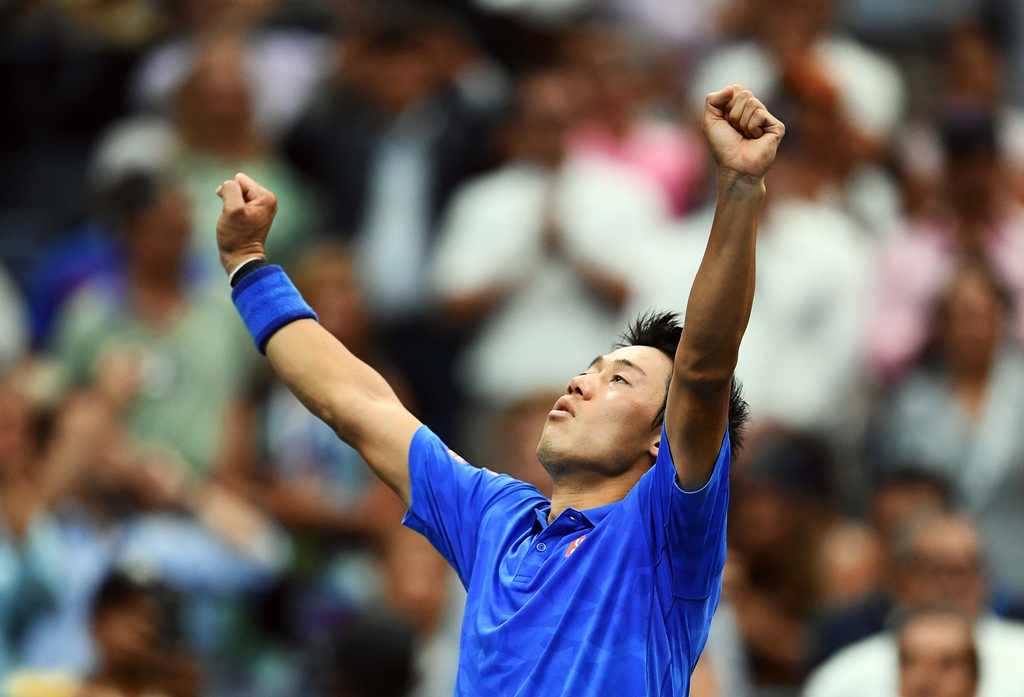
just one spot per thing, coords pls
(328, 379)
(743, 137)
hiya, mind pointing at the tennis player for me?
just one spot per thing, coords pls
(608, 588)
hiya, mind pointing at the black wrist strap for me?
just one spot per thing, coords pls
(246, 269)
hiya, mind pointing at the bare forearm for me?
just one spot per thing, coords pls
(723, 290)
(348, 395)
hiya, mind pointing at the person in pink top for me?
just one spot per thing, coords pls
(624, 94)
(974, 216)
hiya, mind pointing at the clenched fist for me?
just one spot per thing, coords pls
(742, 133)
(244, 220)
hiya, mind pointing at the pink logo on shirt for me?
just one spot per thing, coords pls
(455, 456)
(574, 544)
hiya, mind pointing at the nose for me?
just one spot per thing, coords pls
(580, 385)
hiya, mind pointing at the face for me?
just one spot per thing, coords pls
(604, 423)
(946, 571)
(159, 235)
(973, 320)
(128, 632)
(546, 116)
(936, 658)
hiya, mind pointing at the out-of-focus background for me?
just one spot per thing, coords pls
(474, 196)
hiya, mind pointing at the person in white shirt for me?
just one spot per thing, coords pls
(540, 253)
(946, 552)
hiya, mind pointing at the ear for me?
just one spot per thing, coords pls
(655, 446)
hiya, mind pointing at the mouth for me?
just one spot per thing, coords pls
(563, 407)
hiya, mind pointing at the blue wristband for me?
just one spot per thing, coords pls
(267, 301)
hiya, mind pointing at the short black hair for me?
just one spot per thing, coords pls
(116, 590)
(662, 330)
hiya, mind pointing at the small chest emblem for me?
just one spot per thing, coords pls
(574, 544)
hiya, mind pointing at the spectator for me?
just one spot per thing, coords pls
(283, 65)
(792, 44)
(780, 512)
(901, 497)
(212, 135)
(945, 555)
(119, 507)
(938, 657)
(152, 312)
(978, 217)
(389, 142)
(29, 556)
(623, 123)
(135, 626)
(559, 236)
(956, 414)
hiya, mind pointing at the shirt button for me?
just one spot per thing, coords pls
(541, 546)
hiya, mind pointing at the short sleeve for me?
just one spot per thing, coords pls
(687, 528)
(450, 499)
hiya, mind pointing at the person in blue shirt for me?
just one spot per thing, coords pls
(609, 587)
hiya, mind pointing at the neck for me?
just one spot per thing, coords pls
(587, 492)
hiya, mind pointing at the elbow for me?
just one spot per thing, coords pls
(706, 371)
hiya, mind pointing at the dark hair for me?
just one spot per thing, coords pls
(117, 589)
(913, 475)
(662, 330)
(966, 134)
(128, 197)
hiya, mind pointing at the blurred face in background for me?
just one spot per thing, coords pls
(973, 76)
(157, 237)
(546, 115)
(973, 180)
(393, 70)
(214, 106)
(937, 657)
(788, 27)
(972, 321)
(128, 633)
(945, 569)
(327, 279)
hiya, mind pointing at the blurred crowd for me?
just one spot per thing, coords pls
(474, 196)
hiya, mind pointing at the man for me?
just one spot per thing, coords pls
(608, 588)
(938, 565)
(938, 656)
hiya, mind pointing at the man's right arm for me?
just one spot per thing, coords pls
(349, 396)
(331, 382)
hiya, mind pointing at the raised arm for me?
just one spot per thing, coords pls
(331, 382)
(743, 137)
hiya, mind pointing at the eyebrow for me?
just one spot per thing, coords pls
(624, 362)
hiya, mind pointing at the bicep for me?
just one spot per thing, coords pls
(696, 420)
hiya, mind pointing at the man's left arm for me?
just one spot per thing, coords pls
(743, 137)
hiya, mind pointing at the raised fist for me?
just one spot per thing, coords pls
(742, 133)
(244, 220)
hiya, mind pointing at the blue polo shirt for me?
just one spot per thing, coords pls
(610, 601)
